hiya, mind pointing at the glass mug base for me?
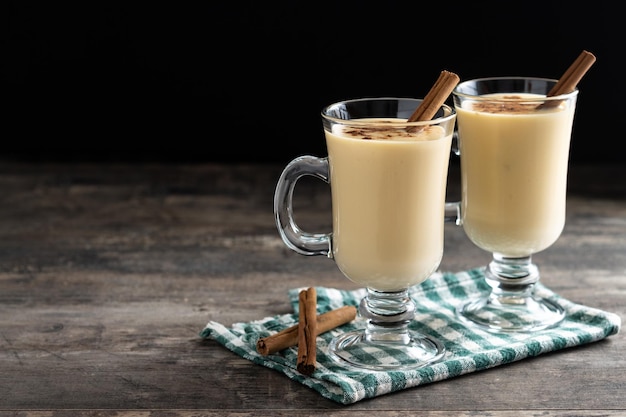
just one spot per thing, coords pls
(512, 305)
(386, 343)
(354, 349)
(515, 315)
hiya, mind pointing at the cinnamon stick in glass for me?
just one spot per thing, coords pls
(436, 97)
(289, 337)
(307, 331)
(569, 80)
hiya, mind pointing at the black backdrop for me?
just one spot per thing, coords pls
(232, 81)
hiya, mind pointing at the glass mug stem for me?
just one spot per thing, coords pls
(512, 305)
(388, 316)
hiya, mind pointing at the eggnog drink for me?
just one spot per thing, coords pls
(388, 196)
(514, 158)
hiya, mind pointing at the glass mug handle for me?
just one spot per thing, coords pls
(453, 209)
(453, 213)
(295, 238)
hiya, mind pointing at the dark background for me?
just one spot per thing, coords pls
(231, 81)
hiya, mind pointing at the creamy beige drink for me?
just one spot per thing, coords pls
(388, 196)
(514, 159)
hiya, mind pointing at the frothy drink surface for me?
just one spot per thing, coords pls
(514, 172)
(388, 196)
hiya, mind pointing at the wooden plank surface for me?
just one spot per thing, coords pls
(109, 272)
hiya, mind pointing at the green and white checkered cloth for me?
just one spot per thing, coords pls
(467, 349)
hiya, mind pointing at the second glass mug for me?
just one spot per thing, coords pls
(514, 140)
(388, 186)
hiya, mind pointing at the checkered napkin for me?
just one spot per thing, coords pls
(467, 349)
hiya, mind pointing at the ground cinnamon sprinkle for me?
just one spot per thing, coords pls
(501, 105)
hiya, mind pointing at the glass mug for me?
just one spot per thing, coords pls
(388, 185)
(514, 147)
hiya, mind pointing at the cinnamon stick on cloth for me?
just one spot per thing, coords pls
(289, 336)
(307, 331)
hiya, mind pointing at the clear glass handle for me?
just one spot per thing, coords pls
(453, 213)
(453, 209)
(295, 238)
(455, 143)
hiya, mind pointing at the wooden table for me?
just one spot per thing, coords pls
(109, 271)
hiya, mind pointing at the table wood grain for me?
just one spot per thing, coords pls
(108, 272)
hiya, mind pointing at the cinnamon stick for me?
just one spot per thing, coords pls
(569, 80)
(289, 336)
(307, 331)
(435, 98)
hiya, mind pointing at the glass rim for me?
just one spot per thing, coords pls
(359, 122)
(482, 97)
